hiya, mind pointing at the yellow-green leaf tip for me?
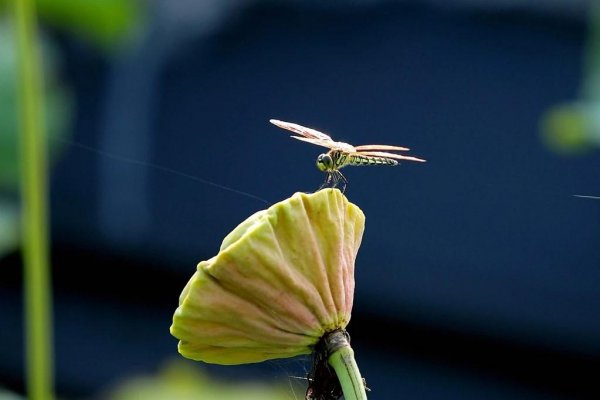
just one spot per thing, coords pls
(282, 278)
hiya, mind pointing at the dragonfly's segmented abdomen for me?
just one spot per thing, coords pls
(358, 160)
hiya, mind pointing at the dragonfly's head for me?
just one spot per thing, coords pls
(325, 162)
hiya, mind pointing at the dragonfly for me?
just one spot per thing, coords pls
(342, 154)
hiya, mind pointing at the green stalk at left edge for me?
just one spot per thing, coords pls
(33, 179)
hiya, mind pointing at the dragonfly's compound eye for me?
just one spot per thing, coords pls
(324, 162)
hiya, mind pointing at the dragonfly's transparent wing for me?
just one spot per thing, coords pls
(389, 155)
(369, 147)
(301, 130)
(319, 142)
(313, 136)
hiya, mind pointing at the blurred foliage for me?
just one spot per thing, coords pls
(574, 127)
(568, 128)
(9, 226)
(104, 23)
(6, 395)
(57, 105)
(181, 380)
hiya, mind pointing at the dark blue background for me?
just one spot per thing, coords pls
(479, 271)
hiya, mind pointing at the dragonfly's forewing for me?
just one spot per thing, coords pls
(301, 130)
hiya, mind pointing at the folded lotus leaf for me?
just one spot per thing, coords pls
(281, 279)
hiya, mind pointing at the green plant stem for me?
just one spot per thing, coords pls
(345, 367)
(33, 169)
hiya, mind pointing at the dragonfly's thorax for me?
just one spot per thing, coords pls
(332, 160)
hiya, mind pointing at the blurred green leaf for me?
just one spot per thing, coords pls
(104, 23)
(573, 128)
(181, 380)
(569, 128)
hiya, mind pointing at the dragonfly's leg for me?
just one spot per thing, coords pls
(344, 181)
(336, 178)
(327, 181)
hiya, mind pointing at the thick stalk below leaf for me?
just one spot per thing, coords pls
(341, 358)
